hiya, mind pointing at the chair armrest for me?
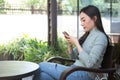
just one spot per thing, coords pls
(60, 59)
(68, 71)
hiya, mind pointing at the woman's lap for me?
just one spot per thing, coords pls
(54, 70)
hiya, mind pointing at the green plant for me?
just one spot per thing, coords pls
(35, 50)
(38, 51)
(32, 49)
(16, 48)
(2, 49)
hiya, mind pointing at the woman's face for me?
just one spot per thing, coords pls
(87, 23)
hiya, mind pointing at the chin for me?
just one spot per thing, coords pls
(85, 30)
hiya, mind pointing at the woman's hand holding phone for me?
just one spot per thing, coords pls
(67, 36)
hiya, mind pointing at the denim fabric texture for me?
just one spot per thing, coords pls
(52, 71)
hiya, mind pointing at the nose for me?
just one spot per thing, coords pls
(82, 24)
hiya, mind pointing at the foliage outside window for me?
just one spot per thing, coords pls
(2, 4)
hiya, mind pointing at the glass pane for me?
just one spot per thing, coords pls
(115, 23)
(19, 17)
(67, 17)
(115, 27)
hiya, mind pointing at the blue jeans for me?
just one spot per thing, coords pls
(52, 71)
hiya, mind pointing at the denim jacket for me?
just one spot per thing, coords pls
(93, 50)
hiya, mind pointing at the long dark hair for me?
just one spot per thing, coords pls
(92, 11)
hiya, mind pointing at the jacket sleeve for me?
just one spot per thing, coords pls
(74, 54)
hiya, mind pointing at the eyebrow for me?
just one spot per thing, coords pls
(82, 18)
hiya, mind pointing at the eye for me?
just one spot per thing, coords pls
(83, 20)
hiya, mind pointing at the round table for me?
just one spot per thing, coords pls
(16, 70)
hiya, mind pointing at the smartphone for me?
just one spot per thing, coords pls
(65, 33)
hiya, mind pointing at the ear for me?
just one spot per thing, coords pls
(95, 18)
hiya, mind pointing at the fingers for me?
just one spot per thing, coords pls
(69, 39)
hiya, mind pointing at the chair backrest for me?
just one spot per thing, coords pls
(107, 59)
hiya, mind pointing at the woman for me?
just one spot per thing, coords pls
(88, 50)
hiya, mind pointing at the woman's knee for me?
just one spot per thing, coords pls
(43, 64)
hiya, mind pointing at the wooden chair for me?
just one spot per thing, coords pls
(107, 65)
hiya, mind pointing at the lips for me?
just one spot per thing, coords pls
(84, 27)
